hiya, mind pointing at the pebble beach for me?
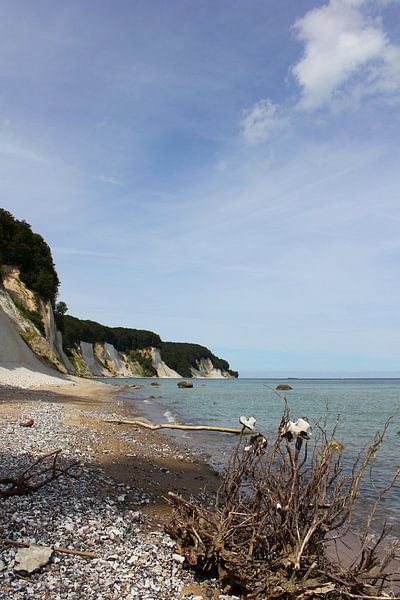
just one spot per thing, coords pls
(113, 505)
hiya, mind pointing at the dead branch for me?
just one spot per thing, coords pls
(155, 427)
(41, 472)
(266, 532)
(84, 553)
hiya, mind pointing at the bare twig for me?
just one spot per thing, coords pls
(84, 553)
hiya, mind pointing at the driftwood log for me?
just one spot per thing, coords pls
(155, 427)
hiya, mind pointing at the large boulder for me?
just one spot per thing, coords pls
(184, 384)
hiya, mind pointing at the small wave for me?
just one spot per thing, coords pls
(169, 416)
(147, 402)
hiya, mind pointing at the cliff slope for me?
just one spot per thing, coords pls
(19, 365)
(28, 289)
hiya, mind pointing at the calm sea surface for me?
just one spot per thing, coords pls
(364, 405)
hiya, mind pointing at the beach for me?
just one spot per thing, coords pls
(114, 506)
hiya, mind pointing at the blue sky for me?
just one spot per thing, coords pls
(224, 172)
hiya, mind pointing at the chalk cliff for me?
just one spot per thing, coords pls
(19, 365)
(29, 285)
(206, 370)
(163, 370)
(34, 321)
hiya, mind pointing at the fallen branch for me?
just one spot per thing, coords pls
(37, 475)
(155, 427)
(60, 549)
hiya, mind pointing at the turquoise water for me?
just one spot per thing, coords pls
(364, 405)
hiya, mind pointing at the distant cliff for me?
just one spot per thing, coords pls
(100, 350)
(28, 289)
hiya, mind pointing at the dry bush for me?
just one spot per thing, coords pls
(279, 505)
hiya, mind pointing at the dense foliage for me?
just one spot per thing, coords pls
(144, 361)
(28, 251)
(122, 338)
(181, 356)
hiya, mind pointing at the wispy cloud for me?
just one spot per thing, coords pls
(16, 149)
(110, 180)
(262, 121)
(85, 253)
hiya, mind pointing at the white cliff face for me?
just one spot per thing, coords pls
(207, 370)
(19, 365)
(102, 360)
(32, 336)
(163, 370)
(11, 310)
(54, 338)
(113, 360)
(117, 359)
(94, 366)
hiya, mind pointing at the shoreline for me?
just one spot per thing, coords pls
(202, 444)
(87, 404)
(125, 471)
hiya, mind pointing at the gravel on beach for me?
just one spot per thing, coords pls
(25, 378)
(91, 511)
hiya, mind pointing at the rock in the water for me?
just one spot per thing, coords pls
(31, 559)
(283, 386)
(184, 384)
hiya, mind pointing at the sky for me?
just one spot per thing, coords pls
(224, 173)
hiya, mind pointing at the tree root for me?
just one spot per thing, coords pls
(266, 532)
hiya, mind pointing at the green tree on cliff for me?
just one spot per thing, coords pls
(22, 248)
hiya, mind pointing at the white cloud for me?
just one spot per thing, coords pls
(110, 180)
(344, 48)
(262, 122)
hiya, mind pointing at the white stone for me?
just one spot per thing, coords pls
(28, 560)
(178, 558)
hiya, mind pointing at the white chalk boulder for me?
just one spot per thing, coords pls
(31, 559)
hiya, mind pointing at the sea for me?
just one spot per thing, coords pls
(363, 406)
